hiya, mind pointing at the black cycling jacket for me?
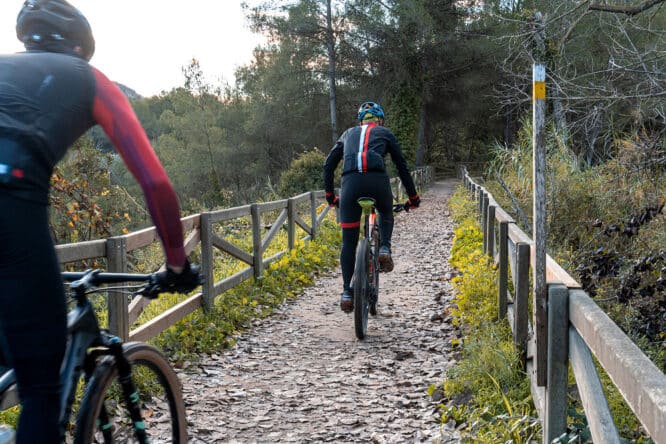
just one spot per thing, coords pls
(363, 149)
(47, 101)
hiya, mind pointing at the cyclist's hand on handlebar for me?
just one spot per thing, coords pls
(332, 199)
(168, 281)
(413, 202)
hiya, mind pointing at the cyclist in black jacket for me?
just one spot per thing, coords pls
(49, 97)
(362, 149)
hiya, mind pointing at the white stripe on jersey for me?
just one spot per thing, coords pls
(359, 161)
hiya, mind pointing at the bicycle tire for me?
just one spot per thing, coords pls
(100, 396)
(361, 286)
(374, 273)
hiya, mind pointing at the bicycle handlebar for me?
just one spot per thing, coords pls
(156, 283)
(95, 277)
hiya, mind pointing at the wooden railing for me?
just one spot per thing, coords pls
(300, 216)
(569, 328)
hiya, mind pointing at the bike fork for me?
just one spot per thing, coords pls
(129, 390)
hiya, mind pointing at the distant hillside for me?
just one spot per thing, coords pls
(129, 92)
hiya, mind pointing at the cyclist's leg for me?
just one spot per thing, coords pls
(350, 216)
(33, 316)
(380, 188)
(384, 204)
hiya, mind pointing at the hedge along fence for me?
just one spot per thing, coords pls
(300, 216)
(568, 328)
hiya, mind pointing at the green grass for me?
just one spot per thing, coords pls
(487, 393)
(486, 390)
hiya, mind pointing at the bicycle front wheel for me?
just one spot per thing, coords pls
(104, 416)
(361, 287)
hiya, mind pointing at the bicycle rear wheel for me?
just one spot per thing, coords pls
(361, 288)
(373, 272)
(103, 416)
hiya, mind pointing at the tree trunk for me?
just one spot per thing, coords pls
(330, 49)
(560, 113)
(420, 147)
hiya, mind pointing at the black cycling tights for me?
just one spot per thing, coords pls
(354, 186)
(33, 324)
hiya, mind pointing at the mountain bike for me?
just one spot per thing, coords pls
(130, 392)
(366, 270)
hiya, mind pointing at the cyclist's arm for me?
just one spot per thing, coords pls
(401, 165)
(113, 112)
(331, 164)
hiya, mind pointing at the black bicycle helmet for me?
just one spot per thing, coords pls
(370, 108)
(54, 26)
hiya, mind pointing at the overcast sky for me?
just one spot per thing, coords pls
(144, 43)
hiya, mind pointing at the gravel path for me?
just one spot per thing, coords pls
(301, 376)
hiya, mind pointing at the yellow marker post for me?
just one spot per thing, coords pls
(539, 218)
(539, 83)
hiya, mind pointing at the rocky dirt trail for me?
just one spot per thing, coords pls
(301, 376)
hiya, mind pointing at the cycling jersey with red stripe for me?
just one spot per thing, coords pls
(47, 101)
(363, 149)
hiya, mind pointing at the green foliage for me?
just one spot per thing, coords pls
(304, 174)
(487, 389)
(589, 214)
(10, 416)
(85, 204)
(462, 210)
(403, 119)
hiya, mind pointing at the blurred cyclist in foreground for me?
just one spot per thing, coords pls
(49, 97)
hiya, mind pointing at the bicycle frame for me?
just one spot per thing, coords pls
(85, 343)
(84, 333)
(369, 217)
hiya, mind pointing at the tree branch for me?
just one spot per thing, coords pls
(628, 10)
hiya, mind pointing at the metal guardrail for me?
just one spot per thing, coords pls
(568, 329)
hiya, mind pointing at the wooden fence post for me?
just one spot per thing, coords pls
(291, 223)
(555, 418)
(257, 256)
(118, 316)
(521, 302)
(490, 231)
(313, 213)
(503, 281)
(539, 211)
(484, 220)
(207, 261)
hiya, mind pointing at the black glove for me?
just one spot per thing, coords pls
(413, 202)
(168, 281)
(332, 199)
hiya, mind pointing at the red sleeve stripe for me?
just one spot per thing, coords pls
(112, 111)
(350, 224)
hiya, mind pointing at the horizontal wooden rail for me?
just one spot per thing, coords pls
(300, 215)
(577, 331)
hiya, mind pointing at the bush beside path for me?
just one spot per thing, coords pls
(301, 376)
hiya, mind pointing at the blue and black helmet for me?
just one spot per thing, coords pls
(372, 108)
